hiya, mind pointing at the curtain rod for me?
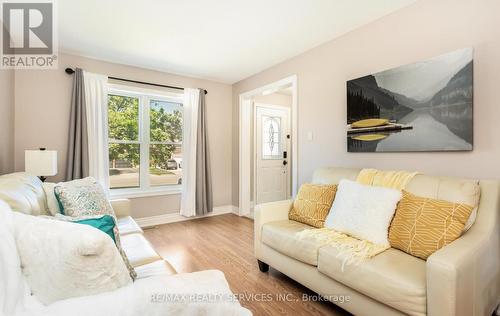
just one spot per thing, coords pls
(70, 71)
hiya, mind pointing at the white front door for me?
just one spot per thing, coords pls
(272, 157)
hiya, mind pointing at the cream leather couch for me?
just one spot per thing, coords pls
(463, 278)
(24, 193)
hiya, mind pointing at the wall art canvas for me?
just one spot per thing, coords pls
(426, 106)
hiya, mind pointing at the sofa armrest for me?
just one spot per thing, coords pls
(463, 278)
(121, 207)
(269, 212)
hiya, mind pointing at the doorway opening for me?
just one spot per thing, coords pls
(268, 144)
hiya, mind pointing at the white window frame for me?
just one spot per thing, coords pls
(144, 96)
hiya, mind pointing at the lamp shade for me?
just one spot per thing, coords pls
(40, 162)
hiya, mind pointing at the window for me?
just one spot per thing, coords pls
(145, 141)
(271, 137)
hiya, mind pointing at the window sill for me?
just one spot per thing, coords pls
(138, 193)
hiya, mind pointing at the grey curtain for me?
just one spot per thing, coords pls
(204, 198)
(78, 156)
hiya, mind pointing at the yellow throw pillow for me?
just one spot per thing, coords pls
(421, 226)
(312, 204)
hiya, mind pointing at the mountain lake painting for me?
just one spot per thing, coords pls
(426, 106)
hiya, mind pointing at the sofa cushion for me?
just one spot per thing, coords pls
(83, 200)
(456, 190)
(334, 175)
(312, 204)
(127, 225)
(422, 226)
(138, 250)
(282, 236)
(159, 267)
(392, 277)
(13, 286)
(105, 223)
(463, 191)
(61, 260)
(23, 193)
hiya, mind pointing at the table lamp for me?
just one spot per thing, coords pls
(41, 163)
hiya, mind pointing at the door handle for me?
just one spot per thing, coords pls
(285, 162)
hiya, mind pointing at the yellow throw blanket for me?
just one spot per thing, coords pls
(352, 250)
(389, 179)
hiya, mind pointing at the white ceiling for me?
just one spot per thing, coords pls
(221, 40)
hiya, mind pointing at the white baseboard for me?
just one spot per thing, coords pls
(177, 217)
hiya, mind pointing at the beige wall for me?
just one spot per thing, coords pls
(274, 99)
(42, 112)
(6, 121)
(425, 29)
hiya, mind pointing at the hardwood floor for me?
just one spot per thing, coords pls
(225, 242)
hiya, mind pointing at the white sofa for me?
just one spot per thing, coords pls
(462, 278)
(24, 193)
(158, 290)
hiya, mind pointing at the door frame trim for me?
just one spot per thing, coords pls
(245, 107)
(255, 158)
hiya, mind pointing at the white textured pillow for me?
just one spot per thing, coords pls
(48, 188)
(13, 287)
(363, 211)
(62, 259)
(85, 200)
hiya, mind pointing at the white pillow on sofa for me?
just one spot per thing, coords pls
(62, 259)
(48, 188)
(363, 211)
(13, 287)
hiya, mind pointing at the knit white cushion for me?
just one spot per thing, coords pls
(363, 211)
(62, 259)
